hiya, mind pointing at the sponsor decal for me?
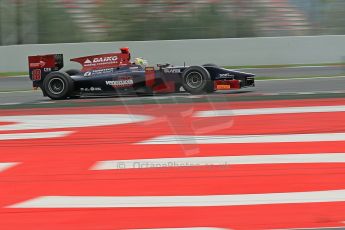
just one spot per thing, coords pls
(122, 82)
(47, 69)
(36, 75)
(225, 75)
(102, 71)
(98, 72)
(88, 61)
(37, 65)
(223, 87)
(101, 61)
(223, 84)
(105, 59)
(91, 89)
(172, 70)
(133, 68)
(149, 69)
(87, 74)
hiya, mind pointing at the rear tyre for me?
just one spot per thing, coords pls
(196, 80)
(58, 85)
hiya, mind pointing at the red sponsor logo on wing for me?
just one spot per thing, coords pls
(99, 61)
(41, 64)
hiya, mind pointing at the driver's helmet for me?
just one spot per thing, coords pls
(141, 62)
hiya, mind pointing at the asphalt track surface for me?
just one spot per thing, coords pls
(211, 165)
(11, 88)
(22, 93)
(298, 71)
(19, 83)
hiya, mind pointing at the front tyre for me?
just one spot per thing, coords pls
(196, 80)
(210, 65)
(210, 87)
(58, 85)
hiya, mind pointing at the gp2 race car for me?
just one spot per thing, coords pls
(114, 73)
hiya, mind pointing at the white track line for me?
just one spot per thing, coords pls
(298, 78)
(18, 91)
(68, 121)
(10, 103)
(314, 92)
(46, 102)
(38, 135)
(304, 93)
(229, 139)
(5, 166)
(220, 160)
(266, 111)
(181, 201)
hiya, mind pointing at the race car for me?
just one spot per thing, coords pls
(115, 73)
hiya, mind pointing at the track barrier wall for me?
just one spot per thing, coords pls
(231, 51)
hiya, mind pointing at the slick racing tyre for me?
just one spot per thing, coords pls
(58, 85)
(210, 86)
(210, 65)
(196, 80)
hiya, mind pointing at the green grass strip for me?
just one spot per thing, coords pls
(12, 74)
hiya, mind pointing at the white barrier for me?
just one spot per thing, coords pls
(229, 51)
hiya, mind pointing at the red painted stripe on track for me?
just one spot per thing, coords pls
(49, 168)
(251, 125)
(245, 179)
(246, 217)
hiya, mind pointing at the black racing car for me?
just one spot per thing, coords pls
(114, 73)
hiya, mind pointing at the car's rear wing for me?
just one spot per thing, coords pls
(41, 65)
(103, 61)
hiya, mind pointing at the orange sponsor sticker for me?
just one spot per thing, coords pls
(223, 87)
